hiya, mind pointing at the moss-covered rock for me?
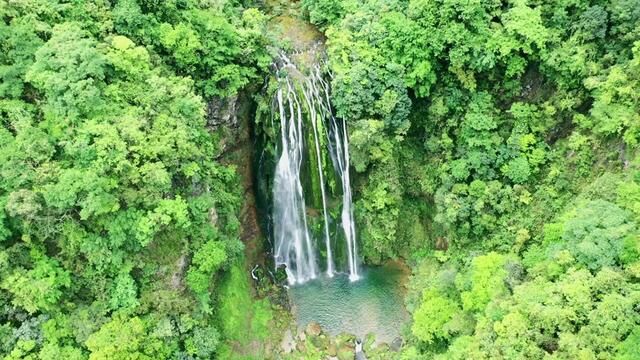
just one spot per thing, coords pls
(332, 348)
(344, 338)
(346, 353)
(301, 346)
(321, 341)
(369, 342)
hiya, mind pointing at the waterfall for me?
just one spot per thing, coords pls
(348, 224)
(290, 227)
(339, 150)
(303, 100)
(311, 104)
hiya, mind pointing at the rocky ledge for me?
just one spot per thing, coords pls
(313, 342)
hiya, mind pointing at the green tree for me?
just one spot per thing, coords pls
(122, 339)
(431, 318)
(206, 261)
(69, 71)
(485, 281)
(596, 234)
(39, 288)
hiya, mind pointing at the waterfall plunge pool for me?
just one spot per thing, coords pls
(373, 304)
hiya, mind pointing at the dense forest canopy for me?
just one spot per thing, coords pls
(507, 131)
(494, 147)
(108, 174)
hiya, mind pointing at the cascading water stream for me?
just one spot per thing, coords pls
(339, 150)
(293, 242)
(348, 224)
(291, 231)
(314, 119)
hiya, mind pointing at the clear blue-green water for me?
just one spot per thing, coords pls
(373, 304)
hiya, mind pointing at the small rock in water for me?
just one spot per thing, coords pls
(314, 329)
(359, 354)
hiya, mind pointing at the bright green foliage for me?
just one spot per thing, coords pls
(628, 350)
(495, 146)
(123, 293)
(183, 42)
(108, 174)
(369, 144)
(431, 318)
(493, 89)
(69, 71)
(122, 339)
(221, 50)
(378, 212)
(39, 288)
(203, 343)
(596, 235)
(615, 111)
(326, 12)
(366, 93)
(517, 170)
(573, 298)
(629, 197)
(19, 41)
(486, 281)
(59, 343)
(244, 322)
(206, 262)
(589, 315)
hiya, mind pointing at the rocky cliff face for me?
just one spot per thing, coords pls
(231, 119)
(223, 112)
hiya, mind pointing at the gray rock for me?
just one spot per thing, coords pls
(288, 343)
(178, 275)
(223, 111)
(396, 344)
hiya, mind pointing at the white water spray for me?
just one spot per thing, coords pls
(311, 104)
(293, 243)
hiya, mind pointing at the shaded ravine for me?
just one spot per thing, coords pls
(305, 204)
